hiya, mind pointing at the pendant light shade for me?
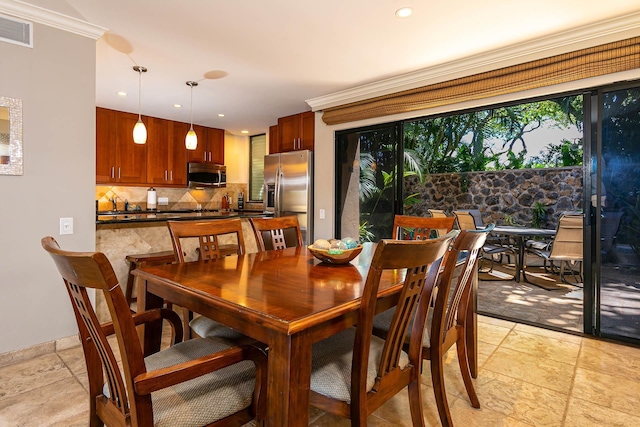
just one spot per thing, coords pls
(139, 130)
(191, 140)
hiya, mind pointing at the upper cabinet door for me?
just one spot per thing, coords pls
(289, 132)
(215, 144)
(274, 139)
(201, 153)
(307, 130)
(105, 146)
(132, 157)
(159, 151)
(178, 158)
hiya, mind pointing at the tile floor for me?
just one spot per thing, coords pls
(528, 377)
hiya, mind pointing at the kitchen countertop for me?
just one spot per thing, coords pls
(121, 217)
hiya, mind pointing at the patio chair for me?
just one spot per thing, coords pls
(437, 213)
(566, 247)
(354, 372)
(498, 248)
(192, 383)
(446, 317)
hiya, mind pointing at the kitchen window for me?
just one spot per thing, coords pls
(258, 149)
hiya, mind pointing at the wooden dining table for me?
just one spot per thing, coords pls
(286, 299)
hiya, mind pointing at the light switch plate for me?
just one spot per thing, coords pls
(66, 226)
(163, 201)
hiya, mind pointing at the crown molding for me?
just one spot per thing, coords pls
(619, 28)
(47, 17)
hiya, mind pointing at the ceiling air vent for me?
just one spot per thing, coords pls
(16, 31)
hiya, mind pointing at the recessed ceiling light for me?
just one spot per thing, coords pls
(245, 131)
(121, 93)
(177, 106)
(404, 12)
(220, 115)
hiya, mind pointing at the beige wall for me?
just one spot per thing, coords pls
(324, 175)
(236, 158)
(56, 82)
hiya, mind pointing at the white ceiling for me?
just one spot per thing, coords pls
(257, 60)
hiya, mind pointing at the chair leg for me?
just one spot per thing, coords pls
(463, 361)
(128, 292)
(187, 317)
(415, 402)
(437, 379)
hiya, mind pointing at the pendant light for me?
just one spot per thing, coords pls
(139, 130)
(191, 140)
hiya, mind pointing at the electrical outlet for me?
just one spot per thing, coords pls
(66, 226)
(163, 201)
(321, 213)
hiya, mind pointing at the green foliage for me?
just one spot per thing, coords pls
(364, 232)
(564, 154)
(466, 142)
(538, 214)
(509, 220)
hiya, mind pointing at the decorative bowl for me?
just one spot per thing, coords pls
(344, 258)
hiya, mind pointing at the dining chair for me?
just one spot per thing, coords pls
(277, 233)
(208, 235)
(447, 309)
(566, 247)
(191, 383)
(498, 247)
(407, 227)
(354, 372)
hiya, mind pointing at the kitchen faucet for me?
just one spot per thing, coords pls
(114, 202)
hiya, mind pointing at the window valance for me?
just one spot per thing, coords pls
(595, 61)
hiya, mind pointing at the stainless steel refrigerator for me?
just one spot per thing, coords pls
(288, 188)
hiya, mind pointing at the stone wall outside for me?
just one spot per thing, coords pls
(496, 193)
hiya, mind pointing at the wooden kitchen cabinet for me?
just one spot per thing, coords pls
(167, 155)
(118, 158)
(162, 161)
(210, 145)
(274, 139)
(296, 132)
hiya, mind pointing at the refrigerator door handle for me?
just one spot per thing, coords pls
(276, 202)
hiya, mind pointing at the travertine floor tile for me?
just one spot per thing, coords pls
(496, 322)
(560, 336)
(59, 403)
(607, 390)
(465, 415)
(543, 347)
(396, 411)
(519, 400)
(535, 370)
(31, 374)
(614, 359)
(585, 414)
(492, 334)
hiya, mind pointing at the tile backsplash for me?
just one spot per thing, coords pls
(179, 198)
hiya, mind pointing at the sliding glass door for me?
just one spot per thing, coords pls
(366, 184)
(616, 199)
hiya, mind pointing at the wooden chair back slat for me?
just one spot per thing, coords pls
(208, 234)
(407, 227)
(277, 233)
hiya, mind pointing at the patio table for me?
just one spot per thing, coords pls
(519, 234)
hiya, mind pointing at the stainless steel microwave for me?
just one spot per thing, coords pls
(206, 175)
